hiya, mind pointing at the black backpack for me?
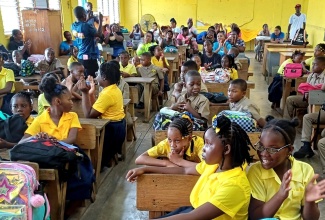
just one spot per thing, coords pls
(275, 89)
(215, 97)
(13, 128)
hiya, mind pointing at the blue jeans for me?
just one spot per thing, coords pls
(114, 137)
(181, 210)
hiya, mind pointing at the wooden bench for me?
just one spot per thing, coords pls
(253, 136)
(223, 87)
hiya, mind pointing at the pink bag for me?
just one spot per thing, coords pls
(306, 87)
(293, 70)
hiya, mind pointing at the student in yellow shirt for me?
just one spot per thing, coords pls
(20, 103)
(180, 147)
(158, 59)
(319, 52)
(222, 192)
(7, 87)
(57, 122)
(297, 57)
(282, 187)
(127, 69)
(73, 58)
(42, 103)
(109, 105)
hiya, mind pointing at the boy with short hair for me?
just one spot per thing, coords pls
(192, 101)
(239, 102)
(149, 70)
(127, 69)
(179, 88)
(50, 64)
(77, 71)
(85, 34)
(315, 78)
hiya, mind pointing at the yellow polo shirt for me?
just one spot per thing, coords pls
(159, 63)
(266, 183)
(110, 103)
(163, 150)
(281, 68)
(130, 69)
(44, 123)
(229, 191)
(42, 104)
(7, 75)
(72, 59)
(29, 120)
(309, 61)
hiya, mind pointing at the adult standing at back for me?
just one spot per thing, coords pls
(85, 34)
(296, 21)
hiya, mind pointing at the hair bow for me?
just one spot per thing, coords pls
(58, 89)
(215, 124)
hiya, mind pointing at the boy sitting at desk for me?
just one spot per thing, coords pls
(7, 87)
(239, 102)
(316, 77)
(148, 70)
(50, 64)
(127, 69)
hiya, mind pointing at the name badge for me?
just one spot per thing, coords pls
(85, 57)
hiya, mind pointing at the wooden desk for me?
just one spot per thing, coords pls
(34, 77)
(286, 84)
(125, 106)
(96, 154)
(147, 82)
(286, 55)
(171, 65)
(274, 45)
(223, 87)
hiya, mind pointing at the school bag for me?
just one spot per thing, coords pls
(215, 97)
(3, 116)
(170, 49)
(243, 119)
(300, 37)
(306, 87)
(275, 89)
(27, 68)
(12, 128)
(222, 75)
(46, 153)
(14, 67)
(293, 70)
(166, 116)
(18, 183)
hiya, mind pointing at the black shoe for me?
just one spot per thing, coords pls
(139, 106)
(303, 152)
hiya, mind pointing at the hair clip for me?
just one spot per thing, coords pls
(58, 88)
(215, 124)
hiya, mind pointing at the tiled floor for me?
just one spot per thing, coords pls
(116, 198)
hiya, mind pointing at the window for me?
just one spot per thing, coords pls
(110, 8)
(10, 11)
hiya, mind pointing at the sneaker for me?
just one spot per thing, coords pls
(303, 152)
(139, 106)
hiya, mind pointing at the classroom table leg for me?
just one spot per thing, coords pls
(147, 101)
(286, 92)
(55, 197)
(170, 73)
(96, 156)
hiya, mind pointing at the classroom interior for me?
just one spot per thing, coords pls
(116, 198)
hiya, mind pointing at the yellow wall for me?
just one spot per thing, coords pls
(3, 39)
(248, 14)
(316, 22)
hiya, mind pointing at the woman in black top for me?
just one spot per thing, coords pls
(17, 43)
(115, 40)
(209, 59)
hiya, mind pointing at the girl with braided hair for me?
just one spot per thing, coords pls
(109, 105)
(282, 187)
(223, 190)
(180, 148)
(318, 52)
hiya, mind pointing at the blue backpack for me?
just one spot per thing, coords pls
(243, 119)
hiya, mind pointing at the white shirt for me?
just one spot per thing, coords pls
(176, 30)
(155, 34)
(296, 22)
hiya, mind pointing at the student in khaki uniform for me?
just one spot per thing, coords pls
(321, 150)
(149, 70)
(315, 78)
(180, 88)
(180, 147)
(192, 101)
(239, 102)
(127, 69)
(50, 64)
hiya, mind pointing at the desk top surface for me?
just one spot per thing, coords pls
(290, 54)
(28, 78)
(126, 101)
(283, 49)
(99, 123)
(139, 79)
(170, 58)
